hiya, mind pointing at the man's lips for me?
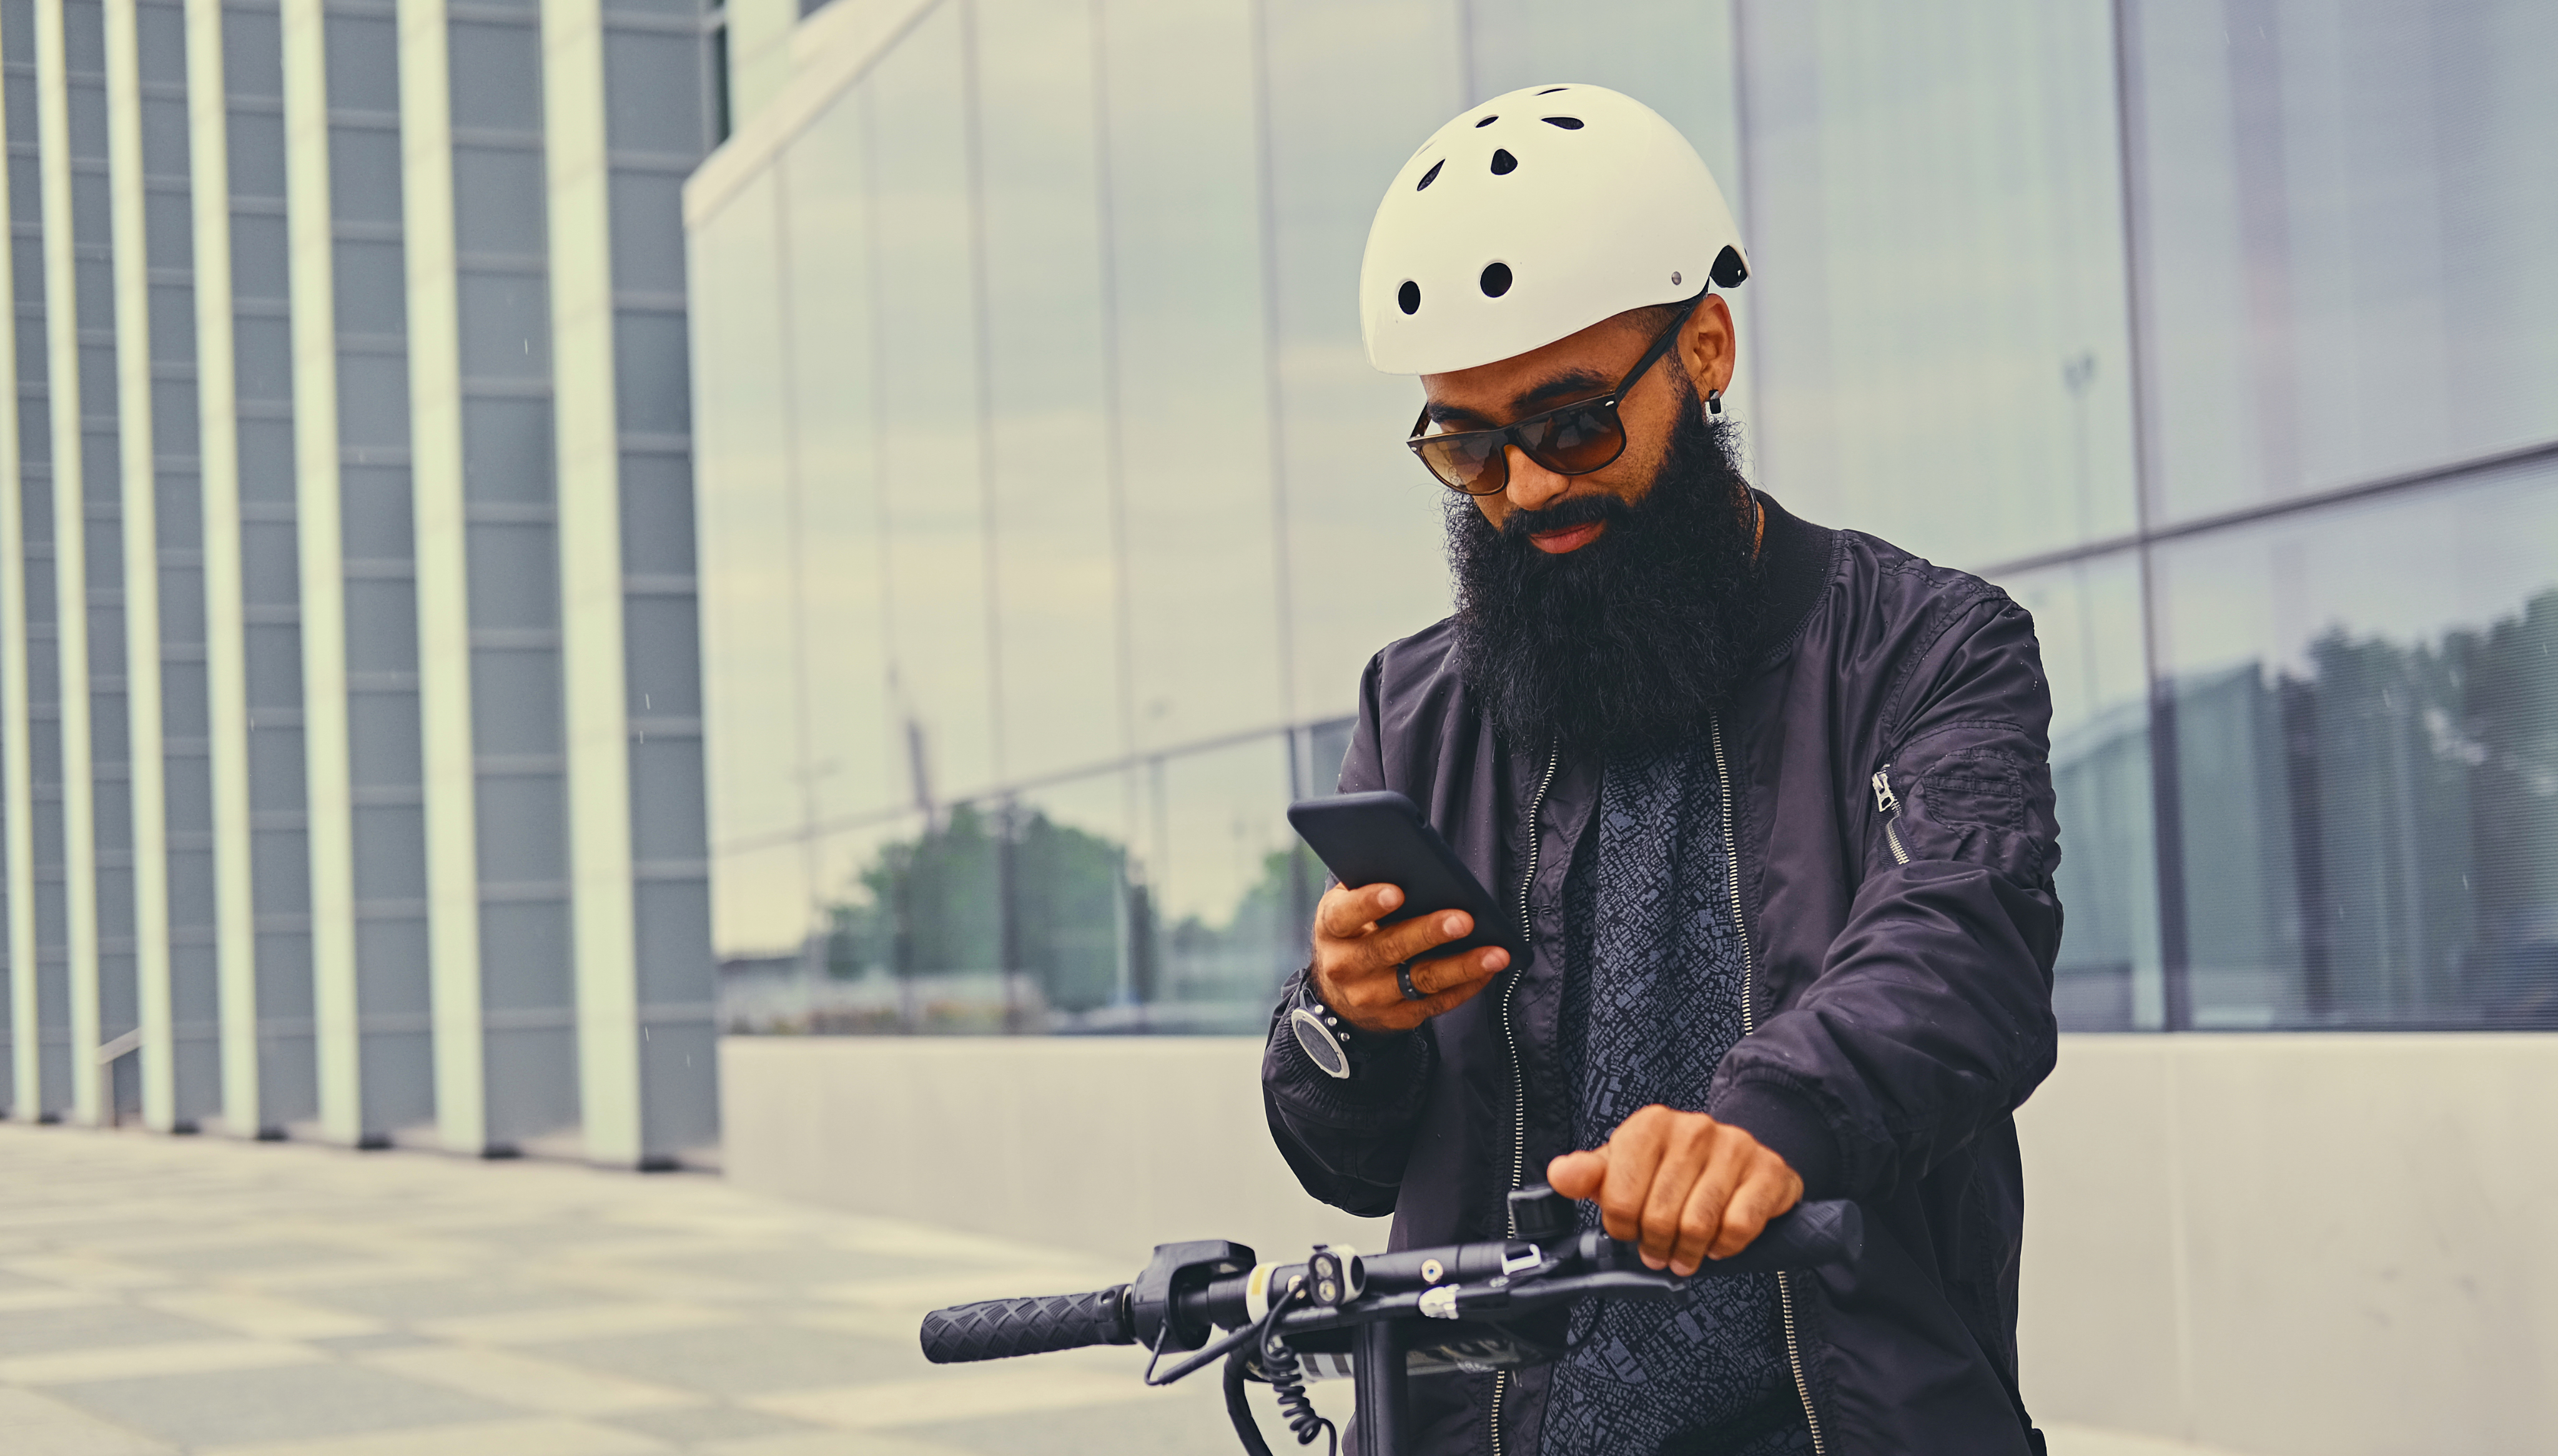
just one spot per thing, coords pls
(1570, 538)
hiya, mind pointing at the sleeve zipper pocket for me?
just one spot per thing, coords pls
(1887, 804)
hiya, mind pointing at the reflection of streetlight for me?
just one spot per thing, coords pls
(2078, 375)
(810, 874)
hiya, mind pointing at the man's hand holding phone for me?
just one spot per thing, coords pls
(1355, 957)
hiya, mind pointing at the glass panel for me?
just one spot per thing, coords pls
(2366, 702)
(857, 744)
(1056, 576)
(1935, 219)
(932, 490)
(1071, 900)
(2087, 615)
(752, 713)
(1348, 104)
(1186, 220)
(1218, 923)
(2344, 240)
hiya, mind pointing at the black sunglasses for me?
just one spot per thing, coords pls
(1569, 439)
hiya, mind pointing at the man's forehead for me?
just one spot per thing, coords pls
(1497, 402)
(1575, 366)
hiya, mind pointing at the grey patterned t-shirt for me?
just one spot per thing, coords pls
(1651, 1002)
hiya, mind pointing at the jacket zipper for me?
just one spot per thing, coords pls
(1750, 1025)
(1509, 1039)
(1887, 804)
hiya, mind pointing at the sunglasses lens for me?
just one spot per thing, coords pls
(1473, 463)
(1577, 441)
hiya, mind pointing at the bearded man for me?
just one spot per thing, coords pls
(1774, 803)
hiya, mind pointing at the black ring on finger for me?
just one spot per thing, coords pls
(1403, 978)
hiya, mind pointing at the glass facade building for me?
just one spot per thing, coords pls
(1049, 509)
(349, 686)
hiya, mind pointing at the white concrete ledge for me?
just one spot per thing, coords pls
(1104, 1144)
(2296, 1245)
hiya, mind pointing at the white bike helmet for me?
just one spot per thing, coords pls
(1533, 216)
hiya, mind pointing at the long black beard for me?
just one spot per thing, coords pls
(1627, 644)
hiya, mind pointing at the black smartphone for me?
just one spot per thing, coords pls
(1381, 838)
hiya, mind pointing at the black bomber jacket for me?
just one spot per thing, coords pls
(1899, 990)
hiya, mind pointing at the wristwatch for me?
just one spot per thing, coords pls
(1335, 1046)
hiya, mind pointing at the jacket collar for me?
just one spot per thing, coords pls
(1799, 559)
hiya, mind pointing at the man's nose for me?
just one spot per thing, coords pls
(1532, 487)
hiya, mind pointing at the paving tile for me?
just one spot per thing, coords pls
(305, 1402)
(513, 1310)
(951, 1395)
(497, 1438)
(86, 1272)
(37, 1425)
(117, 1362)
(696, 1425)
(259, 1315)
(42, 1297)
(48, 1331)
(382, 1340)
(526, 1381)
(743, 1359)
(794, 1269)
(830, 1443)
(442, 1296)
(576, 1322)
(243, 1256)
(1180, 1421)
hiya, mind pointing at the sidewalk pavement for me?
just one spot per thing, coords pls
(180, 1294)
(161, 1295)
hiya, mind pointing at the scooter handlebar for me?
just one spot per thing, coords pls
(997, 1329)
(1806, 1236)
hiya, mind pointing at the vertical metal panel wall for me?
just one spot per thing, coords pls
(350, 750)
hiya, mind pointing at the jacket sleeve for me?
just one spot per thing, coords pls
(1347, 1140)
(1931, 1015)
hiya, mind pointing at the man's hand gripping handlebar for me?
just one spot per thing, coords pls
(1461, 1306)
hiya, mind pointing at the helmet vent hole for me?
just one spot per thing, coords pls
(1496, 278)
(1408, 296)
(1430, 176)
(1503, 163)
(1550, 90)
(1568, 123)
(1487, 121)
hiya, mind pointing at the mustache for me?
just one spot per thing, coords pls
(1563, 515)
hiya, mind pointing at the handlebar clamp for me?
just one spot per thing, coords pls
(1155, 1301)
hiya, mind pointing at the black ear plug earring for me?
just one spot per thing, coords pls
(1714, 401)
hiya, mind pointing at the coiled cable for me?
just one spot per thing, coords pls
(1287, 1379)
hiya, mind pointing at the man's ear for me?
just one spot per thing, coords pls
(1707, 345)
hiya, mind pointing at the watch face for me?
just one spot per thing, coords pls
(1321, 1047)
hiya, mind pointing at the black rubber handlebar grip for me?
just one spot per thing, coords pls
(1806, 1236)
(1035, 1325)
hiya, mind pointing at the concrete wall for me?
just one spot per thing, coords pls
(1106, 1144)
(2328, 1245)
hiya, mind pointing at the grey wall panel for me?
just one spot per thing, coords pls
(270, 577)
(501, 222)
(657, 126)
(386, 830)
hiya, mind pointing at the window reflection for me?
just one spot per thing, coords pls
(2087, 617)
(1049, 509)
(2344, 251)
(1935, 214)
(2367, 747)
